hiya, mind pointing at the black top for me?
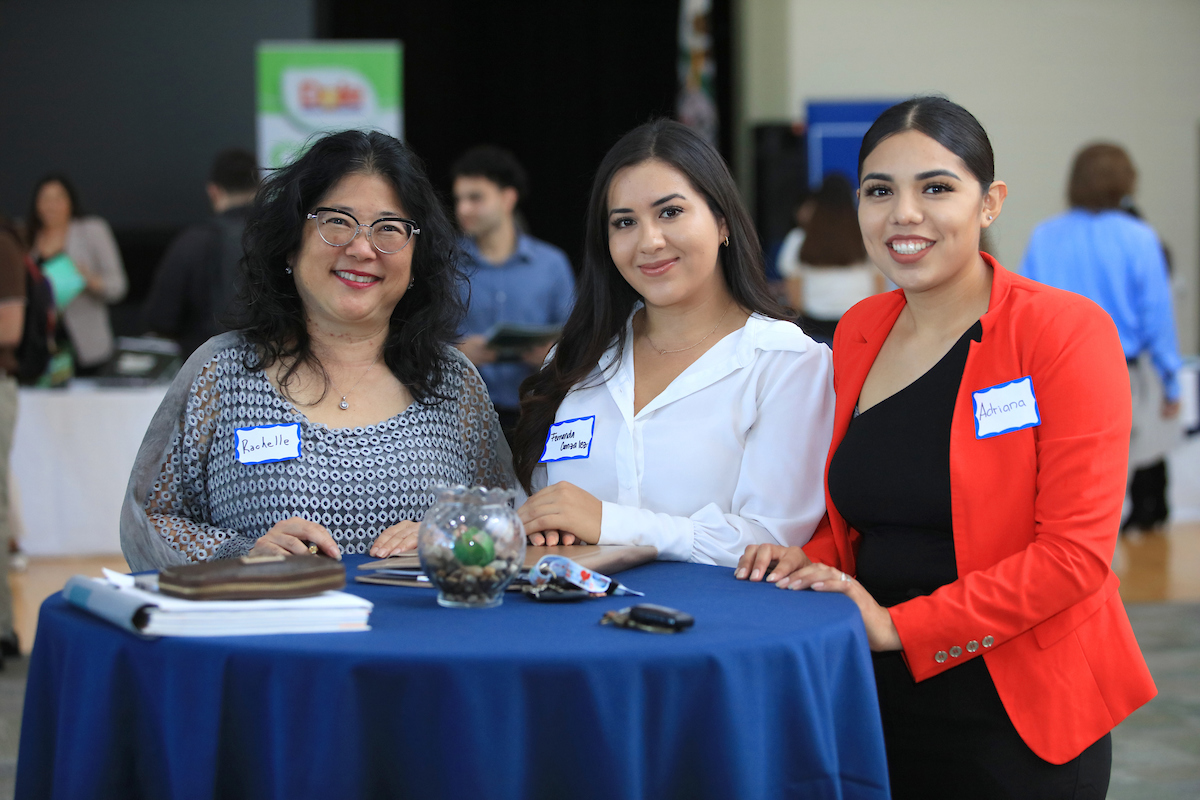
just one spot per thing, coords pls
(890, 480)
(195, 285)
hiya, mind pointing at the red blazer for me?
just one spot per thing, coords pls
(1036, 514)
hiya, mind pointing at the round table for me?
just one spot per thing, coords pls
(770, 695)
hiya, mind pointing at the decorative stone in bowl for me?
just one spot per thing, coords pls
(471, 544)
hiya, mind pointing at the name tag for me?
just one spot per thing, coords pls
(571, 438)
(1005, 407)
(265, 444)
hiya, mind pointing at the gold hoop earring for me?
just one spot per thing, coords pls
(727, 241)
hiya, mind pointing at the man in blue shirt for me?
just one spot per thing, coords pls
(513, 277)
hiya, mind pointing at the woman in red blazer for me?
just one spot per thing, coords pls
(974, 488)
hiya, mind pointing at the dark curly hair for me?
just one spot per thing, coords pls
(428, 315)
(604, 299)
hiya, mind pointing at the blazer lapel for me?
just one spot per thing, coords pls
(855, 357)
(852, 360)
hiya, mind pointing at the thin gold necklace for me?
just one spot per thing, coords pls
(345, 404)
(662, 352)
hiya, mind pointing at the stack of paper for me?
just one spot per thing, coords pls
(123, 602)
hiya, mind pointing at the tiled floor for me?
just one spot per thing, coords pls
(44, 577)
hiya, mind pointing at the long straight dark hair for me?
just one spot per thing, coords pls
(832, 237)
(604, 300)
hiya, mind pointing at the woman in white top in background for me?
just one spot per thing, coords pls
(680, 408)
(832, 272)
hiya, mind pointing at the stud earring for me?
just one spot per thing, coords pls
(288, 270)
(989, 217)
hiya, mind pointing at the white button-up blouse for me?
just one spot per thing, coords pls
(732, 453)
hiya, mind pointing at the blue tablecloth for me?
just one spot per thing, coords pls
(770, 695)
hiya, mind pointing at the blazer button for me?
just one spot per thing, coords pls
(955, 651)
(972, 646)
(988, 641)
(940, 657)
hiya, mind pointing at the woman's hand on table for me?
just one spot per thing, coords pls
(551, 538)
(772, 562)
(292, 537)
(399, 538)
(881, 631)
(562, 514)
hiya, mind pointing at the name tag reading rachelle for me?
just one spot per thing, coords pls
(265, 444)
(571, 438)
(1005, 407)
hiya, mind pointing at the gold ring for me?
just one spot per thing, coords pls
(313, 549)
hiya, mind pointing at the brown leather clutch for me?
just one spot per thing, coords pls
(253, 578)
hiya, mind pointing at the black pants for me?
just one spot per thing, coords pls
(949, 736)
(1148, 494)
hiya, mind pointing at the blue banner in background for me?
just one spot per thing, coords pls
(835, 132)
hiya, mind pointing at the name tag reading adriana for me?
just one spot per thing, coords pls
(265, 444)
(571, 438)
(1005, 407)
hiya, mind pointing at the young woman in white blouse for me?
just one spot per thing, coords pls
(680, 408)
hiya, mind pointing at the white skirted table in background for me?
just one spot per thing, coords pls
(72, 454)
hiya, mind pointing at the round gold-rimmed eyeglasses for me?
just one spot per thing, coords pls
(388, 234)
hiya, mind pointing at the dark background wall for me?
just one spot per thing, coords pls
(133, 99)
(555, 82)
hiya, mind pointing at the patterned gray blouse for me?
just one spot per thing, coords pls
(191, 499)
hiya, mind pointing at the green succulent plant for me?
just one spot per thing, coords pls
(473, 547)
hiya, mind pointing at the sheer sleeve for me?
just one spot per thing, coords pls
(167, 517)
(490, 459)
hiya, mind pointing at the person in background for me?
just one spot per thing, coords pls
(1100, 251)
(192, 298)
(56, 225)
(1149, 507)
(12, 324)
(682, 408)
(334, 415)
(832, 272)
(511, 276)
(974, 488)
(788, 254)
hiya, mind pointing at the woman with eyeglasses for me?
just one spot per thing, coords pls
(331, 417)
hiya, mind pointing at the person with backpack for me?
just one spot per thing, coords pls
(192, 296)
(12, 324)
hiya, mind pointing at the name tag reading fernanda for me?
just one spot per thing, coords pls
(1005, 407)
(571, 438)
(265, 444)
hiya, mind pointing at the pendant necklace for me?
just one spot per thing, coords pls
(662, 352)
(345, 404)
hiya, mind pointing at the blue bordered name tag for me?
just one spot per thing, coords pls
(571, 438)
(1005, 407)
(264, 444)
